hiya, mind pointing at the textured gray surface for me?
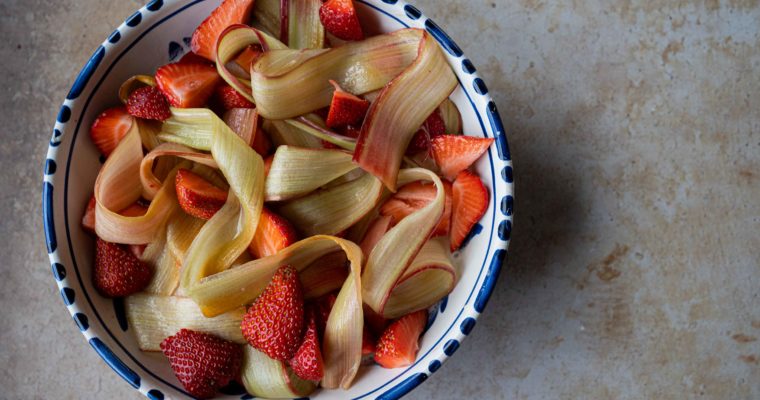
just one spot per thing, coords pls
(635, 266)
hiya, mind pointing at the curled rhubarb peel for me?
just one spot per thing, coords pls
(298, 171)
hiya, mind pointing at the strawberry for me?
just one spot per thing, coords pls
(432, 127)
(149, 103)
(322, 308)
(135, 210)
(413, 196)
(273, 234)
(118, 272)
(455, 153)
(187, 85)
(197, 196)
(248, 56)
(109, 128)
(192, 58)
(88, 219)
(307, 363)
(268, 164)
(345, 108)
(398, 344)
(202, 362)
(340, 19)
(229, 98)
(274, 323)
(470, 203)
(230, 12)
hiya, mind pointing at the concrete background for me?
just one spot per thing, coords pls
(634, 270)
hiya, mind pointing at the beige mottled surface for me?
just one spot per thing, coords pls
(635, 266)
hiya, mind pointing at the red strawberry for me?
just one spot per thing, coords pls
(109, 128)
(192, 58)
(339, 18)
(248, 56)
(197, 196)
(229, 98)
(432, 127)
(307, 363)
(455, 153)
(273, 234)
(268, 164)
(187, 85)
(135, 210)
(118, 272)
(413, 196)
(470, 203)
(274, 323)
(230, 12)
(202, 362)
(345, 108)
(149, 103)
(88, 219)
(398, 344)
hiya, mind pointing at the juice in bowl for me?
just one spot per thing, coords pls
(295, 199)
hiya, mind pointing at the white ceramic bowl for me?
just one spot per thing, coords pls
(159, 33)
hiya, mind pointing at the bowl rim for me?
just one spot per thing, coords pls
(487, 115)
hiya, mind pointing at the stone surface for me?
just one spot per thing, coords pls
(634, 270)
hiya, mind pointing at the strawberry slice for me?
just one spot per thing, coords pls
(368, 342)
(248, 56)
(455, 153)
(470, 203)
(202, 362)
(187, 85)
(109, 128)
(149, 103)
(192, 58)
(322, 307)
(230, 12)
(432, 127)
(229, 98)
(275, 321)
(273, 234)
(307, 363)
(340, 19)
(412, 197)
(398, 344)
(345, 108)
(118, 272)
(197, 196)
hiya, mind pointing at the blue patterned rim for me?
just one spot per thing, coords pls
(406, 15)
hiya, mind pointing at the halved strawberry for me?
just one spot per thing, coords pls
(274, 323)
(230, 12)
(187, 85)
(248, 56)
(413, 196)
(307, 363)
(455, 153)
(88, 219)
(470, 203)
(192, 58)
(322, 307)
(368, 342)
(149, 103)
(202, 362)
(273, 234)
(135, 210)
(118, 272)
(109, 128)
(229, 98)
(398, 344)
(345, 108)
(197, 196)
(433, 126)
(339, 18)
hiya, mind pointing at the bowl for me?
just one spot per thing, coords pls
(160, 33)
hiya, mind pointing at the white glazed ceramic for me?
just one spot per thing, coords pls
(159, 33)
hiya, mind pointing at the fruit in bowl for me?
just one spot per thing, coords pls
(288, 208)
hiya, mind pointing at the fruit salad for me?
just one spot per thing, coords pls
(278, 208)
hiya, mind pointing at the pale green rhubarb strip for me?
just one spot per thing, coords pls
(297, 171)
(154, 318)
(305, 30)
(400, 109)
(272, 379)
